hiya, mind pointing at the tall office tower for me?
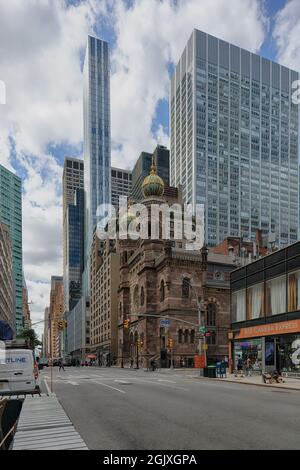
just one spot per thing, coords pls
(46, 335)
(73, 228)
(234, 140)
(26, 309)
(7, 286)
(142, 168)
(121, 185)
(97, 141)
(11, 215)
(55, 314)
(75, 251)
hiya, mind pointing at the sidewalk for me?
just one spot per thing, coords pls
(44, 425)
(289, 383)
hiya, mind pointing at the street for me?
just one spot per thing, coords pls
(130, 409)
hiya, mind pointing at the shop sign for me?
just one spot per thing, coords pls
(270, 329)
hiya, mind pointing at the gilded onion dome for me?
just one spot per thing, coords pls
(153, 185)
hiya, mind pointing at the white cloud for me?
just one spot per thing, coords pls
(40, 46)
(152, 34)
(287, 33)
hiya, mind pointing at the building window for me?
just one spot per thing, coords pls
(212, 338)
(180, 336)
(255, 301)
(192, 336)
(142, 296)
(136, 296)
(276, 295)
(294, 291)
(211, 314)
(186, 336)
(185, 288)
(162, 291)
(120, 309)
(238, 306)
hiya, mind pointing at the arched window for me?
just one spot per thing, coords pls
(186, 288)
(211, 314)
(136, 296)
(186, 336)
(131, 338)
(142, 296)
(162, 291)
(180, 336)
(192, 336)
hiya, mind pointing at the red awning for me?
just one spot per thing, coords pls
(91, 356)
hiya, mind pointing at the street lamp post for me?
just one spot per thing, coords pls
(200, 309)
(122, 357)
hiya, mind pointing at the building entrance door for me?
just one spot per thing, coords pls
(270, 353)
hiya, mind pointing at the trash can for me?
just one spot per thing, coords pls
(211, 372)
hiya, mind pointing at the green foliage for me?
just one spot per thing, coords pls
(31, 337)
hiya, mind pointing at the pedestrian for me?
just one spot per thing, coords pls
(240, 366)
(61, 366)
(248, 367)
(131, 363)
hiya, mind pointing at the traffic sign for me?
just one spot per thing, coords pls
(165, 323)
(202, 329)
(199, 336)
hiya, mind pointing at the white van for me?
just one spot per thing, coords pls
(18, 372)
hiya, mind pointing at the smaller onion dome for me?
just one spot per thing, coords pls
(153, 185)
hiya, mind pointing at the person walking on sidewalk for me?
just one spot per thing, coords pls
(61, 366)
(248, 367)
(240, 366)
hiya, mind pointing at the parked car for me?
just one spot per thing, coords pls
(18, 372)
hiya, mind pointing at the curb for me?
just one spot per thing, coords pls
(249, 383)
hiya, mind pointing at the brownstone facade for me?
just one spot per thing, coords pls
(159, 280)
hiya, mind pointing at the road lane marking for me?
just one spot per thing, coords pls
(165, 380)
(47, 387)
(161, 384)
(108, 386)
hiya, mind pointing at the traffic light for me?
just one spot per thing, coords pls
(170, 343)
(126, 324)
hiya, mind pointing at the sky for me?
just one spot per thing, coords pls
(42, 46)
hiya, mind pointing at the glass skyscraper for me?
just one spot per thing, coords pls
(234, 140)
(11, 215)
(97, 135)
(73, 229)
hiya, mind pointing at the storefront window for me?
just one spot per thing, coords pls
(276, 295)
(288, 350)
(255, 301)
(252, 349)
(238, 305)
(294, 291)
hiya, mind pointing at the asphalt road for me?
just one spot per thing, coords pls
(118, 409)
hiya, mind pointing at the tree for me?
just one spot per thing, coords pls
(31, 337)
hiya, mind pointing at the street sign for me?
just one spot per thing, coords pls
(202, 329)
(165, 323)
(199, 336)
